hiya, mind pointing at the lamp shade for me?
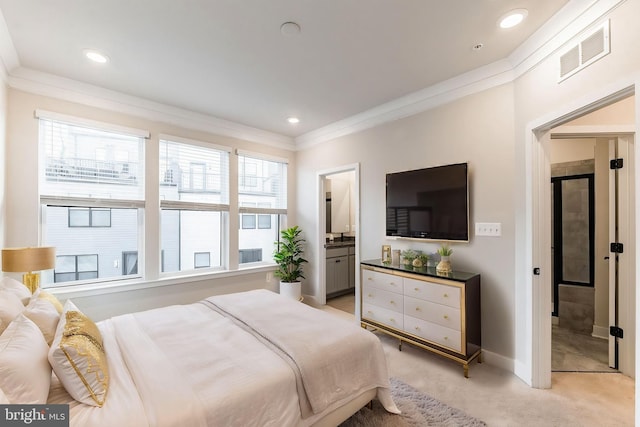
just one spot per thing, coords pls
(20, 260)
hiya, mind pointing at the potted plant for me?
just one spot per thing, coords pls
(444, 266)
(421, 260)
(408, 255)
(288, 257)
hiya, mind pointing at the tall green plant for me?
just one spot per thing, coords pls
(288, 255)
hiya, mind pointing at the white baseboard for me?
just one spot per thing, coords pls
(497, 360)
(600, 332)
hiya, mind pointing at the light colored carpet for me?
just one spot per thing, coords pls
(417, 408)
(501, 399)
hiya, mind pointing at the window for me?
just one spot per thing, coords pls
(250, 255)
(262, 196)
(201, 259)
(194, 201)
(89, 217)
(92, 195)
(129, 263)
(75, 267)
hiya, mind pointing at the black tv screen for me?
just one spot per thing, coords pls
(430, 203)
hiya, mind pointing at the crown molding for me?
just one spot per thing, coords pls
(569, 22)
(477, 80)
(49, 85)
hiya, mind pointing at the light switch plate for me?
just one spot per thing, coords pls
(493, 229)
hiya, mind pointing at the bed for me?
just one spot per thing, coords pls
(247, 359)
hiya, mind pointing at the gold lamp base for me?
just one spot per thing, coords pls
(31, 281)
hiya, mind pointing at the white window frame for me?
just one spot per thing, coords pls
(90, 202)
(245, 210)
(223, 208)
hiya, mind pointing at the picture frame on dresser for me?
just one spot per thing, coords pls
(438, 313)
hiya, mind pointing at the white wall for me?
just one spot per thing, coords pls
(21, 199)
(572, 150)
(437, 137)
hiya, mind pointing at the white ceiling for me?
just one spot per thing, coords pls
(228, 58)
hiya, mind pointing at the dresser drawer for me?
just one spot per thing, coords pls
(386, 282)
(434, 292)
(382, 315)
(436, 313)
(384, 299)
(435, 333)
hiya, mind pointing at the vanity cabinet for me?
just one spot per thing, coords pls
(435, 312)
(337, 270)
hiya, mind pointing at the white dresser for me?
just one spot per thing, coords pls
(437, 313)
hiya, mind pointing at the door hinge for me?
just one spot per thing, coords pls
(616, 164)
(616, 331)
(617, 248)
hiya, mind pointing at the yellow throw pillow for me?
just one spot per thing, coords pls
(78, 358)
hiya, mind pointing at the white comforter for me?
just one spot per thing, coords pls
(282, 364)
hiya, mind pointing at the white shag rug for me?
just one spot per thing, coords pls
(417, 408)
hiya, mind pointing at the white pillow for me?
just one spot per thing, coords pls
(78, 358)
(42, 294)
(44, 315)
(12, 285)
(10, 308)
(25, 373)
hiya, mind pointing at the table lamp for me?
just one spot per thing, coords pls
(28, 260)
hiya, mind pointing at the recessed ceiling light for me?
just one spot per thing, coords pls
(513, 18)
(293, 120)
(96, 56)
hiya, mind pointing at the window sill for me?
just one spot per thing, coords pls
(110, 287)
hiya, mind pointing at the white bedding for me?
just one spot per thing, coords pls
(191, 366)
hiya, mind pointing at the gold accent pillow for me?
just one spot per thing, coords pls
(78, 358)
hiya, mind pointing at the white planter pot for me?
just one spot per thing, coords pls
(291, 290)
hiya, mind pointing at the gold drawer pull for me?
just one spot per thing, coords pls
(416, 289)
(392, 320)
(369, 278)
(417, 308)
(370, 312)
(370, 296)
(445, 316)
(446, 296)
(417, 328)
(446, 338)
(391, 302)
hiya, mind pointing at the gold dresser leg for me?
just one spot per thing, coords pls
(465, 366)
(399, 345)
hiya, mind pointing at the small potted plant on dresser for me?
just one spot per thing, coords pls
(288, 257)
(444, 266)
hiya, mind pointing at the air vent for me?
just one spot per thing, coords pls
(589, 49)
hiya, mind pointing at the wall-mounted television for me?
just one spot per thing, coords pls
(430, 203)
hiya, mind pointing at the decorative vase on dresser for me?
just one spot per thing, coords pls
(423, 308)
